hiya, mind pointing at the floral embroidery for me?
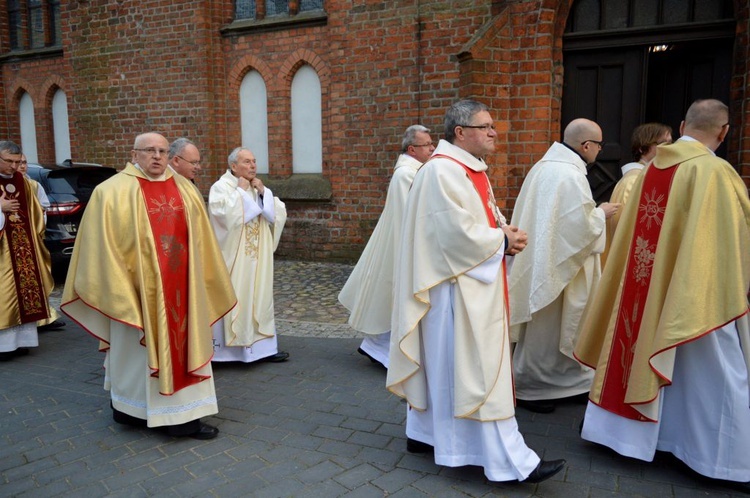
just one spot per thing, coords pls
(252, 237)
(644, 260)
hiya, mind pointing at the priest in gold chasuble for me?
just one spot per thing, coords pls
(25, 277)
(146, 278)
(667, 329)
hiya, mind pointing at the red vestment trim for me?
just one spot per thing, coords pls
(32, 301)
(638, 272)
(482, 185)
(166, 214)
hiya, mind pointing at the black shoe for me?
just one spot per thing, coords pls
(275, 358)
(125, 419)
(364, 353)
(9, 355)
(205, 432)
(414, 446)
(56, 325)
(544, 471)
(536, 406)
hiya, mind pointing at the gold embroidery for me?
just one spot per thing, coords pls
(252, 237)
(173, 250)
(652, 210)
(30, 294)
(165, 210)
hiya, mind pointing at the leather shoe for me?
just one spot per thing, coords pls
(414, 446)
(275, 358)
(545, 470)
(9, 355)
(536, 406)
(205, 432)
(125, 419)
(364, 353)
(56, 325)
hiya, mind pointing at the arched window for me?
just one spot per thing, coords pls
(307, 122)
(61, 127)
(28, 128)
(254, 117)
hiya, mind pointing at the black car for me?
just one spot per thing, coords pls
(69, 189)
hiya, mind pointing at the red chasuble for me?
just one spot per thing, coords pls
(652, 204)
(166, 214)
(19, 232)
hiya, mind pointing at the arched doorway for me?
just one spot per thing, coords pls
(629, 62)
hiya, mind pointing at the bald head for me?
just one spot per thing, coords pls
(707, 121)
(585, 137)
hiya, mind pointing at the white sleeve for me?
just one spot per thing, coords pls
(269, 211)
(2, 220)
(251, 208)
(488, 271)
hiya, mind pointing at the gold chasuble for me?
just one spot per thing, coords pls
(675, 272)
(146, 257)
(25, 278)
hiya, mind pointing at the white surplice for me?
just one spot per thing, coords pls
(704, 416)
(450, 351)
(551, 280)
(248, 227)
(368, 292)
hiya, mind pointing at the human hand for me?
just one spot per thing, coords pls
(610, 208)
(243, 183)
(8, 205)
(258, 185)
(517, 239)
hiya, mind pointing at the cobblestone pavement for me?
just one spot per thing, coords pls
(321, 424)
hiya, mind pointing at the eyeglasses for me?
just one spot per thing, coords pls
(600, 143)
(11, 162)
(194, 163)
(428, 144)
(153, 151)
(485, 127)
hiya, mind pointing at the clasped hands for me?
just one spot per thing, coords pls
(517, 239)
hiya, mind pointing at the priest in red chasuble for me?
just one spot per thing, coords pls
(147, 279)
(25, 277)
(667, 329)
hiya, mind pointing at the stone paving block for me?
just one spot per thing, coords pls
(424, 464)
(396, 479)
(357, 476)
(340, 448)
(267, 435)
(155, 485)
(121, 479)
(380, 457)
(59, 472)
(325, 489)
(357, 411)
(30, 469)
(279, 471)
(361, 424)
(16, 487)
(296, 426)
(285, 487)
(642, 487)
(335, 433)
(368, 491)
(199, 485)
(139, 459)
(329, 419)
(368, 439)
(320, 472)
(92, 490)
(248, 448)
(601, 480)
(45, 451)
(394, 430)
(207, 448)
(563, 489)
(56, 488)
(303, 441)
(174, 462)
(91, 476)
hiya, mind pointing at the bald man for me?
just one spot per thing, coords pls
(147, 279)
(551, 280)
(667, 330)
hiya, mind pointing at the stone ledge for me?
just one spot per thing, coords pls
(300, 187)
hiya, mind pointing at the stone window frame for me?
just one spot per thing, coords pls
(21, 41)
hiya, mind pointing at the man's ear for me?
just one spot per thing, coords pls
(682, 127)
(723, 133)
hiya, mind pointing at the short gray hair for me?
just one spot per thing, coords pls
(706, 115)
(178, 146)
(10, 147)
(459, 114)
(410, 135)
(232, 159)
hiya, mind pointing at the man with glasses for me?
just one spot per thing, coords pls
(667, 329)
(26, 279)
(450, 353)
(147, 279)
(185, 158)
(551, 280)
(368, 293)
(247, 220)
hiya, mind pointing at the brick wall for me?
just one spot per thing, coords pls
(130, 67)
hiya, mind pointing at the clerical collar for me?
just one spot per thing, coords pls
(577, 153)
(161, 177)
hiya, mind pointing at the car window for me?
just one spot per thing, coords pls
(60, 185)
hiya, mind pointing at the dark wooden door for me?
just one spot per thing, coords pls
(605, 86)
